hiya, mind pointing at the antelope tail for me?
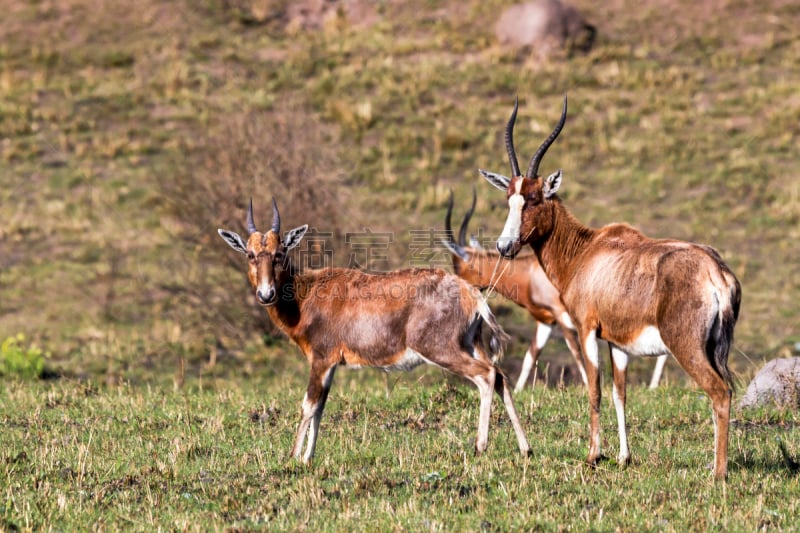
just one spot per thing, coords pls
(720, 336)
(499, 337)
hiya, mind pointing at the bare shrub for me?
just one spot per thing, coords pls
(288, 154)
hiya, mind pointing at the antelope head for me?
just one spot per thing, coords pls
(530, 207)
(266, 253)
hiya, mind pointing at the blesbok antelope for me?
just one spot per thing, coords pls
(644, 296)
(522, 281)
(393, 321)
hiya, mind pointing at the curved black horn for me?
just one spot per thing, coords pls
(449, 242)
(448, 229)
(251, 226)
(533, 168)
(276, 217)
(462, 233)
(512, 155)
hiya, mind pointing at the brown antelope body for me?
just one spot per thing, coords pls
(392, 321)
(523, 281)
(645, 296)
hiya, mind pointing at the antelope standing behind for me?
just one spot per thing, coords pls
(523, 281)
(392, 321)
(644, 296)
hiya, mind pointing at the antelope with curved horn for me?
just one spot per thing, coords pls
(645, 296)
(393, 321)
(522, 281)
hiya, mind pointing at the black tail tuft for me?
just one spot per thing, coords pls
(720, 336)
(499, 338)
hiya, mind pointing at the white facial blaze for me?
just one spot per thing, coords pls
(510, 233)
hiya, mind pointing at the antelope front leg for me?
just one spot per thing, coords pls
(593, 376)
(307, 411)
(313, 431)
(313, 401)
(538, 342)
(618, 393)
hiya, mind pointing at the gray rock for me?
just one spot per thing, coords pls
(778, 382)
(544, 26)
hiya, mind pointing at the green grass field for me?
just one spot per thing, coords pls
(128, 135)
(214, 456)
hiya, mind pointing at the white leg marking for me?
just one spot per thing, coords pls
(583, 375)
(316, 412)
(567, 321)
(624, 451)
(302, 428)
(620, 359)
(590, 349)
(596, 443)
(311, 444)
(527, 366)
(658, 370)
(485, 390)
(542, 334)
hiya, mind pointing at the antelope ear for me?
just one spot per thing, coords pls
(552, 183)
(293, 237)
(475, 243)
(498, 180)
(233, 240)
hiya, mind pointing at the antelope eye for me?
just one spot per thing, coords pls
(251, 256)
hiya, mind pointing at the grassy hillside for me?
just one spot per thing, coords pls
(683, 121)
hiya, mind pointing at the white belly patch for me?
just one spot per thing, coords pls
(648, 343)
(409, 361)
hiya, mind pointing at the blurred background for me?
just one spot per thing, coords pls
(130, 132)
